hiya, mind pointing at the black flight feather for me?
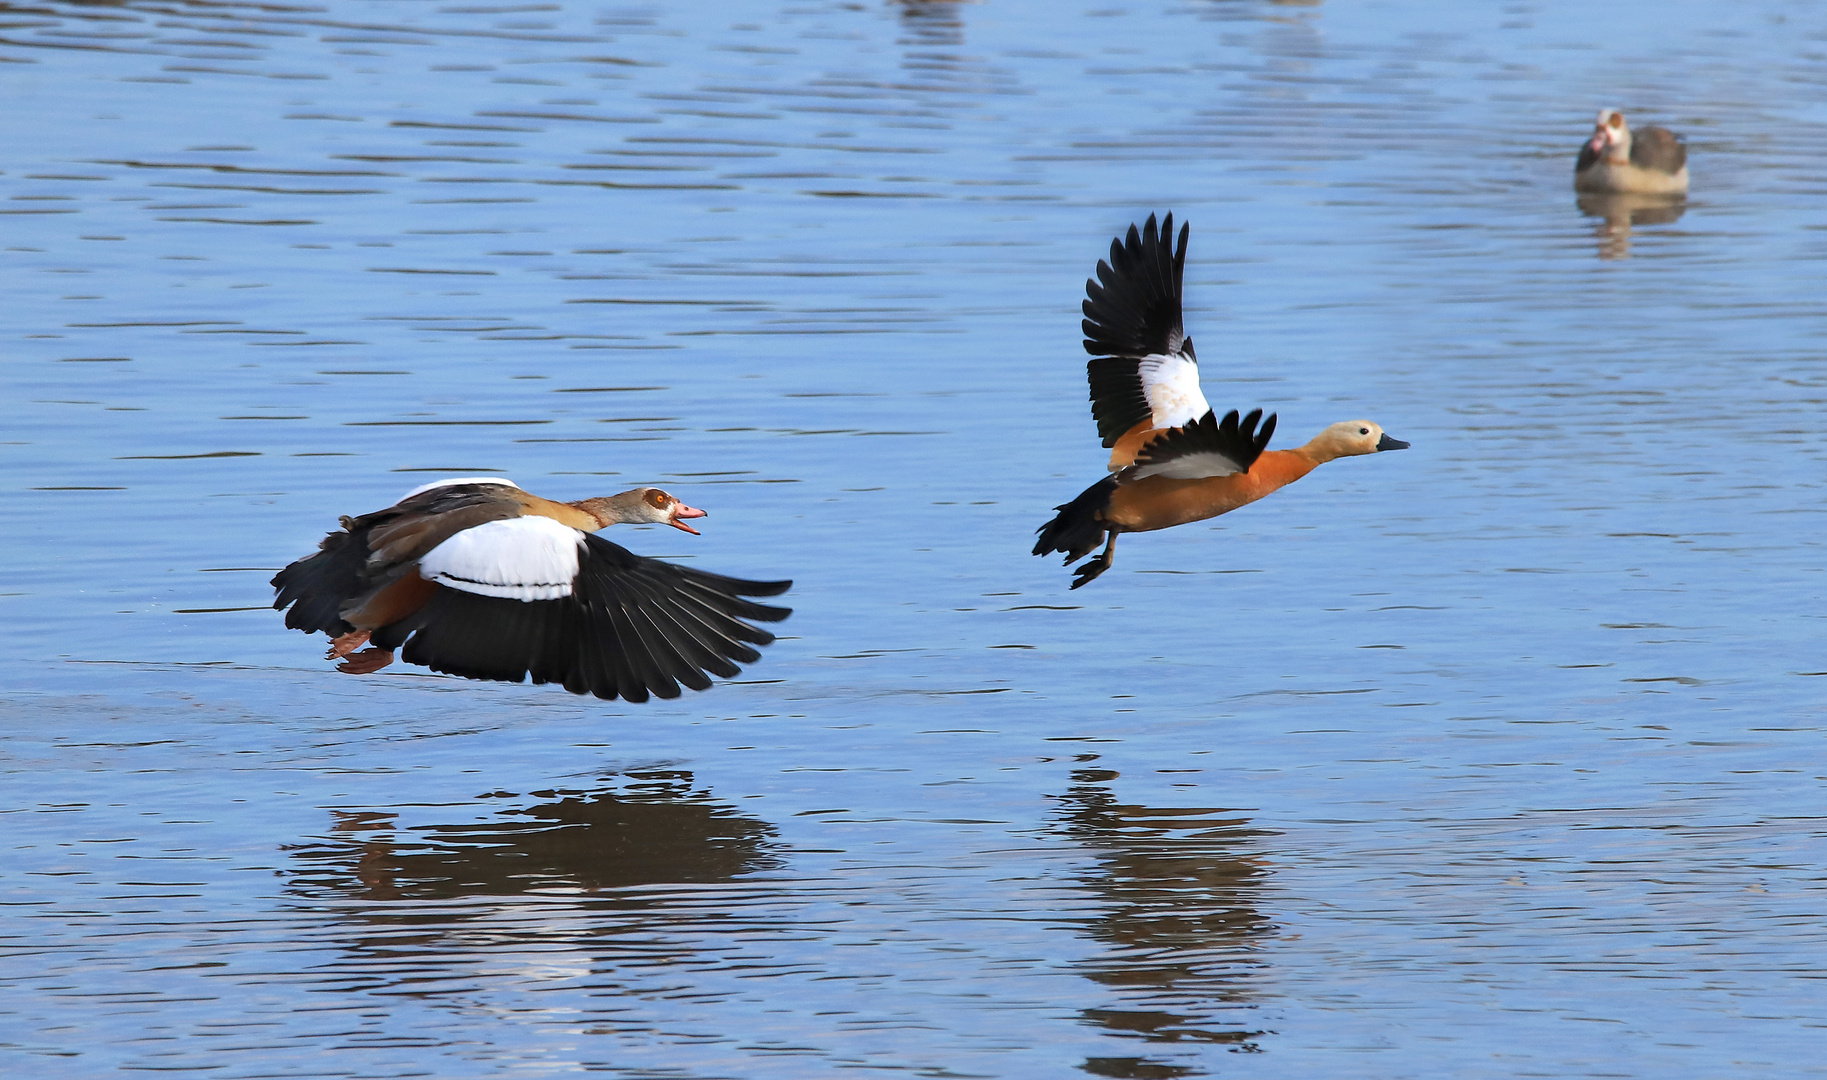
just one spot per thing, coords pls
(1132, 310)
(631, 628)
(1133, 307)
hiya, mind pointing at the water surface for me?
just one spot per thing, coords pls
(1492, 758)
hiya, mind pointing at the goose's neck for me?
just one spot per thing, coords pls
(608, 510)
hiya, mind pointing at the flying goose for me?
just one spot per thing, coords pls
(474, 577)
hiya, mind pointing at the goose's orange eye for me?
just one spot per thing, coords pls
(657, 498)
(1617, 120)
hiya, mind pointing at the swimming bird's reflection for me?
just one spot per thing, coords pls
(1618, 213)
(931, 22)
(1181, 925)
(655, 829)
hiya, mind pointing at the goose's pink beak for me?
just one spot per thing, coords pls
(1601, 139)
(683, 511)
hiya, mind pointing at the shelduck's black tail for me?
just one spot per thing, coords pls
(1078, 528)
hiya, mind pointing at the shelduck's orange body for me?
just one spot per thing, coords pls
(1172, 460)
(1158, 502)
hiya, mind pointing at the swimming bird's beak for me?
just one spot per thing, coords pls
(1600, 140)
(683, 511)
(1387, 443)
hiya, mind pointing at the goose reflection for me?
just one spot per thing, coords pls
(656, 829)
(931, 22)
(1181, 926)
(933, 58)
(1618, 213)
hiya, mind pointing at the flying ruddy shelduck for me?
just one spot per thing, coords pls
(1171, 459)
(475, 577)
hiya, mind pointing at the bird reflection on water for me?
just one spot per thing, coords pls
(931, 22)
(1181, 924)
(1618, 213)
(655, 830)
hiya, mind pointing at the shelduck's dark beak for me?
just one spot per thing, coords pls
(683, 511)
(1387, 443)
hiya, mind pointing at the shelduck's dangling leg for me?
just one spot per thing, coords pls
(1086, 573)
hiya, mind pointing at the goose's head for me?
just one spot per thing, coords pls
(1350, 438)
(1610, 137)
(642, 506)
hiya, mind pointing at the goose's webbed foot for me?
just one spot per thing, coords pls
(345, 644)
(366, 662)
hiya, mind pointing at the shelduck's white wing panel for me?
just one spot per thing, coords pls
(1170, 382)
(422, 488)
(523, 558)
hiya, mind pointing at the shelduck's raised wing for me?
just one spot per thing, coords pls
(1145, 369)
(532, 597)
(1206, 447)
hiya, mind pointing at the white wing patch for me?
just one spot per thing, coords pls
(523, 558)
(1171, 385)
(459, 480)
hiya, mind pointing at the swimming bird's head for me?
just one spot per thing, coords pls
(1349, 438)
(1610, 136)
(641, 506)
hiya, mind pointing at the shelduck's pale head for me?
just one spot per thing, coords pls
(1350, 438)
(642, 506)
(1611, 137)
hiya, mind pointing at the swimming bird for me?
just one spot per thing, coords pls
(1619, 161)
(475, 577)
(1172, 460)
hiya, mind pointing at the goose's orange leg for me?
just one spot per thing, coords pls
(347, 643)
(366, 661)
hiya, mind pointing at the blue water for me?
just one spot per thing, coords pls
(1491, 758)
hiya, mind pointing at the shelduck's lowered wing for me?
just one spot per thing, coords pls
(1206, 447)
(1145, 369)
(621, 625)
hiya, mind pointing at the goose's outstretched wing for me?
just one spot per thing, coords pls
(577, 610)
(1145, 368)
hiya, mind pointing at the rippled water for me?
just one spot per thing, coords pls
(1492, 758)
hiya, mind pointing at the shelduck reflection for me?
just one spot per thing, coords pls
(1181, 928)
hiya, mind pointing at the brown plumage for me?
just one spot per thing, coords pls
(1173, 460)
(478, 578)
